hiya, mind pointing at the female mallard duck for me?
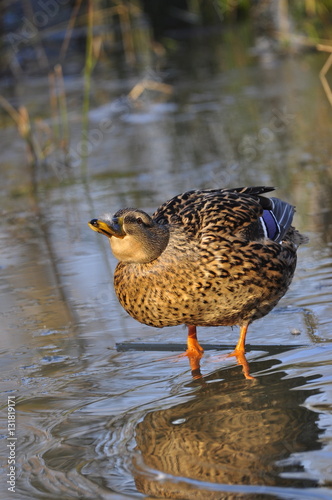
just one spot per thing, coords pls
(205, 258)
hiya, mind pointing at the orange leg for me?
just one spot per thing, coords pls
(240, 352)
(240, 347)
(194, 352)
(193, 347)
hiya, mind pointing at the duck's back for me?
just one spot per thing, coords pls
(219, 213)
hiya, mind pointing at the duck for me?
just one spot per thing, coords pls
(209, 257)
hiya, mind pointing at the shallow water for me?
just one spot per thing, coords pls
(97, 422)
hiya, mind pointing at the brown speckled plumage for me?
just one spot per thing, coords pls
(217, 265)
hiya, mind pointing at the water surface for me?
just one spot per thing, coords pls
(94, 422)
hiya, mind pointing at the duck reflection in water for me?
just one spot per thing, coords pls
(229, 433)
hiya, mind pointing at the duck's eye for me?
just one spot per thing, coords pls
(139, 220)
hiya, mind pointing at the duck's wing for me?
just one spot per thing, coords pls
(220, 212)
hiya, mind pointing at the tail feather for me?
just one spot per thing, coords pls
(277, 215)
(284, 213)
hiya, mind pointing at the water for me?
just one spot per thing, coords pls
(97, 423)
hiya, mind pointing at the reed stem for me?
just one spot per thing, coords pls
(86, 91)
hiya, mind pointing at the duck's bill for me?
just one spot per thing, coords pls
(109, 229)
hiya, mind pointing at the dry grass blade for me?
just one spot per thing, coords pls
(89, 61)
(62, 103)
(139, 88)
(323, 72)
(69, 29)
(10, 109)
(22, 121)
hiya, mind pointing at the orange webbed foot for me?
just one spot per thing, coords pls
(194, 349)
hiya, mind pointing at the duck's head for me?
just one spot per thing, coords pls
(134, 236)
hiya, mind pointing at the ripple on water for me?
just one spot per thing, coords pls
(216, 436)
